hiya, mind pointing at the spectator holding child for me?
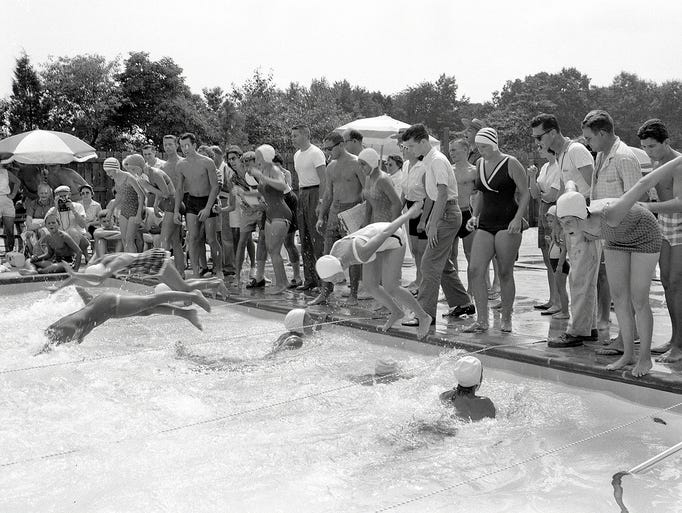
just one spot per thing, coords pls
(60, 249)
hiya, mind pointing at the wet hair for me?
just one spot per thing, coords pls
(417, 132)
(546, 121)
(462, 142)
(302, 128)
(597, 120)
(397, 159)
(334, 137)
(354, 135)
(190, 136)
(654, 129)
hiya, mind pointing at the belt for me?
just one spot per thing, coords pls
(452, 202)
(308, 187)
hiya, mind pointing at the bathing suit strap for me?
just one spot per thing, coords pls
(487, 181)
(355, 250)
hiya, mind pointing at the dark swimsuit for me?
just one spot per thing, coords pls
(499, 204)
(276, 207)
(195, 204)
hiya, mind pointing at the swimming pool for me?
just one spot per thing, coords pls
(147, 429)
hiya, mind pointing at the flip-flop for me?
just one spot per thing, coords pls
(608, 351)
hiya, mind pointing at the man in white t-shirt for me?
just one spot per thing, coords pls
(576, 164)
(310, 166)
(444, 219)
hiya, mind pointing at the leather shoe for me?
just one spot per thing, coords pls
(566, 340)
(460, 310)
(253, 284)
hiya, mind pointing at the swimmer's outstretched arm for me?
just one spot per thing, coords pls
(366, 250)
(126, 306)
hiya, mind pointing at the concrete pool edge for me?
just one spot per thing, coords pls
(511, 347)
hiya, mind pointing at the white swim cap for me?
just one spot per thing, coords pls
(295, 320)
(571, 203)
(267, 152)
(552, 210)
(487, 136)
(468, 371)
(385, 367)
(161, 287)
(370, 156)
(96, 269)
(16, 259)
(327, 266)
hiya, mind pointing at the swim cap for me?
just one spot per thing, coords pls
(97, 269)
(134, 160)
(16, 259)
(327, 266)
(295, 320)
(571, 203)
(370, 156)
(62, 188)
(552, 210)
(291, 342)
(267, 152)
(161, 287)
(111, 164)
(385, 367)
(487, 136)
(468, 371)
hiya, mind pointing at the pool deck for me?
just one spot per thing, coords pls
(526, 343)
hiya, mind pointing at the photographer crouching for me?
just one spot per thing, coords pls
(71, 217)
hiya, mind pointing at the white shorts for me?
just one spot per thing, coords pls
(7, 207)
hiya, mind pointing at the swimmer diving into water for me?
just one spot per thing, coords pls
(155, 262)
(97, 310)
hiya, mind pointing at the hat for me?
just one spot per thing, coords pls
(234, 149)
(385, 367)
(571, 203)
(295, 320)
(487, 136)
(267, 152)
(327, 266)
(111, 164)
(136, 160)
(474, 123)
(370, 156)
(552, 211)
(468, 371)
(62, 188)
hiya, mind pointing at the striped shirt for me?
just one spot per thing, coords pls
(616, 172)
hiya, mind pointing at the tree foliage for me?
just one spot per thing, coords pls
(26, 110)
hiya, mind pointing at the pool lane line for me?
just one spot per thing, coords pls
(368, 380)
(524, 461)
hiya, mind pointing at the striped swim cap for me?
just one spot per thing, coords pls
(111, 164)
(487, 136)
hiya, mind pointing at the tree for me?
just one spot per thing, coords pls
(25, 110)
(81, 95)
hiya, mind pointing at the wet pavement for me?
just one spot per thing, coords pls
(526, 342)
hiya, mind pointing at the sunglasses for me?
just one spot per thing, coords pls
(538, 138)
(330, 148)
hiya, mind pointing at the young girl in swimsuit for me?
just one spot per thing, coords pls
(130, 198)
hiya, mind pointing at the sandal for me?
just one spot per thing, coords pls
(253, 284)
(476, 327)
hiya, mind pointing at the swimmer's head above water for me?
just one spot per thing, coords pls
(468, 372)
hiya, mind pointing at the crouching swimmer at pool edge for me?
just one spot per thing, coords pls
(380, 248)
(468, 405)
(97, 310)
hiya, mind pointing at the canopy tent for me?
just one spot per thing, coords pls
(380, 133)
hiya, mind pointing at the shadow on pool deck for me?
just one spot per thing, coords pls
(526, 343)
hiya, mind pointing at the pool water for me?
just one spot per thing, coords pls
(295, 432)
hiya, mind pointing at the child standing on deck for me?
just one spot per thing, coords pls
(557, 259)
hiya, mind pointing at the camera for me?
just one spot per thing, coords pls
(62, 205)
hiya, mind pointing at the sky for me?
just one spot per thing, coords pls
(384, 45)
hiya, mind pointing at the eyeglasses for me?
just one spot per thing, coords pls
(538, 138)
(330, 148)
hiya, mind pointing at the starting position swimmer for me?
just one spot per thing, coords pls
(468, 405)
(97, 310)
(380, 248)
(154, 262)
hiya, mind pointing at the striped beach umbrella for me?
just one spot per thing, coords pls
(45, 147)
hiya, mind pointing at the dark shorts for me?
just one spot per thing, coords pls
(554, 262)
(463, 232)
(413, 223)
(195, 204)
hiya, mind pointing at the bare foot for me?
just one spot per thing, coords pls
(321, 299)
(424, 326)
(272, 291)
(200, 300)
(672, 356)
(392, 319)
(222, 290)
(193, 317)
(620, 363)
(351, 301)
(642, 367)
(506, 325)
